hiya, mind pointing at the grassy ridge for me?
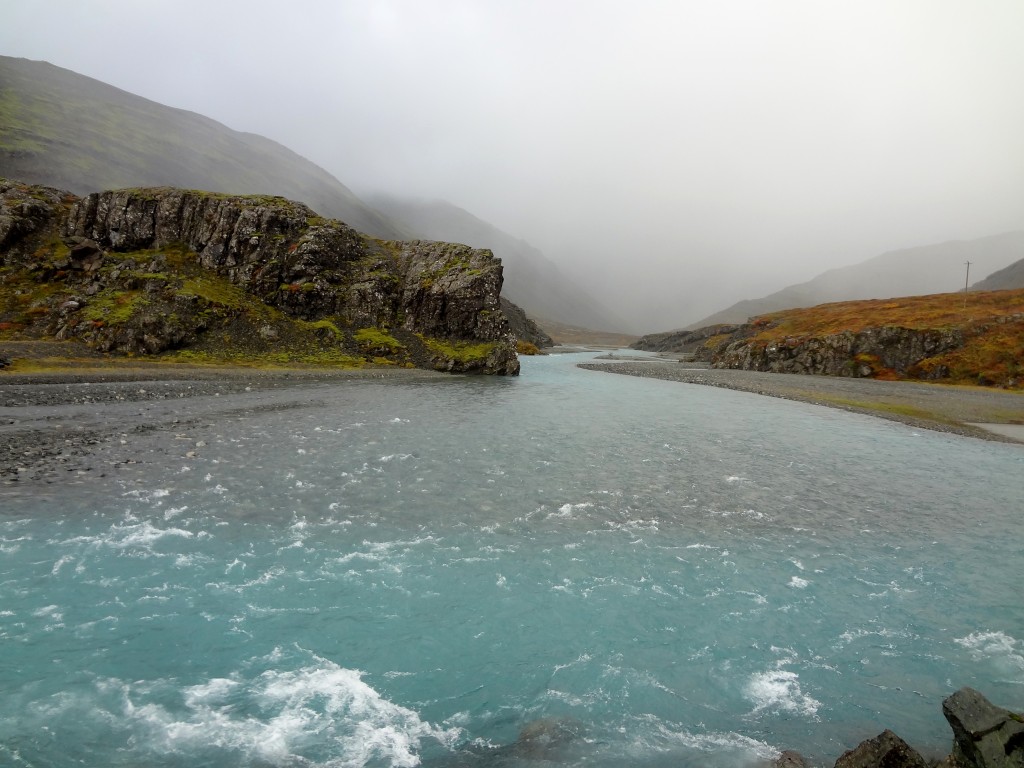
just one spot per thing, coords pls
(943, 310)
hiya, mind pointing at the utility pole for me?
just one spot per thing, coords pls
(967, 280)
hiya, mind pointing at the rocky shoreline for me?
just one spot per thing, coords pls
(984, 736)
(938, 407)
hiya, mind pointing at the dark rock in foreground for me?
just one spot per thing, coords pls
(887, 750)
(985, 736)
(790, 759)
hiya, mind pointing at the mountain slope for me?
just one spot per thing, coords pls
(918, 271)
(1005, 279)
(531, 279)
(69, 131)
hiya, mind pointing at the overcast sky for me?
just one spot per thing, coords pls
(675, 155)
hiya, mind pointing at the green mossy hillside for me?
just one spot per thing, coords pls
(162, 304)
(157, 271)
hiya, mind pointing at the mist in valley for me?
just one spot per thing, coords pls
(671, 158)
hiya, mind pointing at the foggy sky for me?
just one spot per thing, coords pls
(675, 156)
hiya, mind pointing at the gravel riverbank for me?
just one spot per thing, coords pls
(69, 426)
(61, 427)
(940, 407)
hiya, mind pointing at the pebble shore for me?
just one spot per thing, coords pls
(940, 407)
(58, 427)
(54, 426)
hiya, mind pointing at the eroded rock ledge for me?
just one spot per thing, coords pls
(147, 271)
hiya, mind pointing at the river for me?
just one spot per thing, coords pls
(401, 573)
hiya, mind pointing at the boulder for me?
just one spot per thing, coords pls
(790, 759)
(985, 736)
(543, 739)
(887, 750)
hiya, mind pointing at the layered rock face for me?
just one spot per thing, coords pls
(842, 354)
(436, 302)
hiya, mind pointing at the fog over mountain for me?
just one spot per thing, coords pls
(673, 157)
(76, 133)
(927, 269)
(531, 279)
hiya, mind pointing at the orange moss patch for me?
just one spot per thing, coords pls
(994, 356)
(992, 323)
(936, 311)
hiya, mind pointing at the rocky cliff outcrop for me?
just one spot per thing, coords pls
(682, 341)
(523, 328)
(976, 338)
(859, 354)
(142, 271)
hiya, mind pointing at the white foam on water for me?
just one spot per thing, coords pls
(60, 564)
(797, 583)
(148, 495)
(567, 510)
(131, 535)
(174, 512)
(778, 689)
(633, 526)
(757, 597)
(321, 715)
(851, 635)
(653, 735)
(48, 612)
(750, 514)
(1002, 650)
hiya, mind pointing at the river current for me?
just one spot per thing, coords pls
(401, 573)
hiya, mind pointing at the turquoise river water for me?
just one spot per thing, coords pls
(403, 573)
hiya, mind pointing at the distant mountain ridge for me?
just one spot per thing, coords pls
(1006, 279)
(69, 131)
(532, 280)
(938, 268)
